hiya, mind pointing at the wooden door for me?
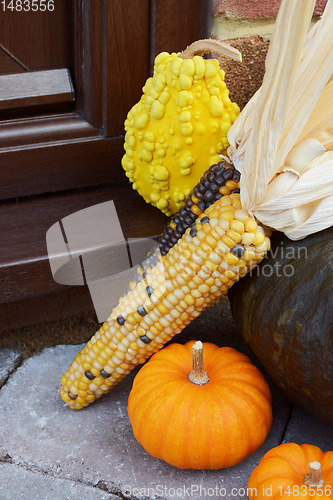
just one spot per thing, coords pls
(70, 70)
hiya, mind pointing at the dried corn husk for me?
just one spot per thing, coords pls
(282, 141)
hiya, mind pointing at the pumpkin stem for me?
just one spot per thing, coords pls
(198, 375)
(209, 45)
(314, 478)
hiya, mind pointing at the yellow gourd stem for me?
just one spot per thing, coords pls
(210, 45)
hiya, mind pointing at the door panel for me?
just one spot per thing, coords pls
(38, 40)
(52, 155)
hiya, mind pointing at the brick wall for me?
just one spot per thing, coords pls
(247, 25)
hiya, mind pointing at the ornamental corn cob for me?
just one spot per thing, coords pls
(220, 244)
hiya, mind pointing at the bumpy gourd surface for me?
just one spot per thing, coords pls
(177, 129)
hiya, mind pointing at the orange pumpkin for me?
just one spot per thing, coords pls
(290, 471)
(201, 419)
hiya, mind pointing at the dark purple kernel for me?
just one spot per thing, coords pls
(236, 176)
(105, 374)
(227, 174)
(202, 205)
(202, 188)
(173, 240)
(219, 171)
(188, 219)
(238, 250)
(219, 181)
(210, 176)
(149, 290)
(218, 196)
(72, 396)
(182, 212)
(208, 196)
(180, 229)
(145, 339)
(163, 251)
(178, 235)
(214, 187)
(204, 220)
(176, 219)
(189, 203)
(198, 194)
(205, 183)
(141, 310)
(89, 375)
(235, 191)
(163, 240)
(120, 320)
(193, 232)
(169, 231)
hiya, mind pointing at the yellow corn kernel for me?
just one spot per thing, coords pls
(247, 238)
(236, 203)
(206, 228)
(241, 215)
(228, 241)
(231, 185)
(224, 190)
(189, 300)
(231, 259)
(211, 243)
(259, 238)
(213, 212)
(237, 226)
(65, 397)
(95, 349)
(250, 225)
(236, 237)
(248, 255)
(210, 266)
(228, 215)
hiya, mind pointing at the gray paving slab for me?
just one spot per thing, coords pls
(9, 360)
(305, 428)
(16, 483)
(95, 446)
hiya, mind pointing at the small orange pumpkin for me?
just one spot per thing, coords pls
(200, 419)
(291, 470)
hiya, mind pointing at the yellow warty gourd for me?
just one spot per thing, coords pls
(177, 129)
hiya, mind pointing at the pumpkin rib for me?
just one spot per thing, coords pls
(185, 407)
(148, 407)
(327, 465)
(243, 408)
(311, 454)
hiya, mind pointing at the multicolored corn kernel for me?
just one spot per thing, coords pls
(206, 261)
(221, 179)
